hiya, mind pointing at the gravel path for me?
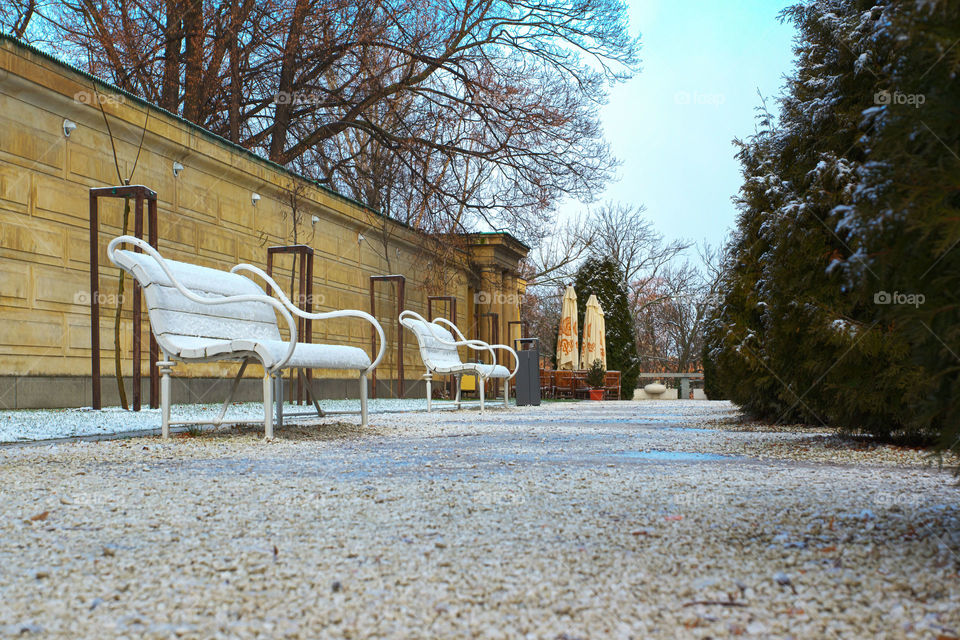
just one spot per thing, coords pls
(586, 520)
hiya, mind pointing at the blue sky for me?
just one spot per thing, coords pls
(672, 124)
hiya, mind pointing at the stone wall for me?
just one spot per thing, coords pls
(207, 215)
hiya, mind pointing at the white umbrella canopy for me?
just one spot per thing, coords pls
(594, 335)
(603, 336)
(567, 338)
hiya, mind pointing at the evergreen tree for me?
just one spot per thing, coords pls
(850, 196)
(603, 278)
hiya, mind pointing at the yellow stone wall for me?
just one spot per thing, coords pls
(206, 216)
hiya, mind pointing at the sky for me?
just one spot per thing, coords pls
(672, 125)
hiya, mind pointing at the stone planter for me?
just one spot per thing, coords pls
(654, 388)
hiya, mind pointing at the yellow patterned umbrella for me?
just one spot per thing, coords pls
(567, 339)
(594, 335)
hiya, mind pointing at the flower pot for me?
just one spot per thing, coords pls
(596, 394)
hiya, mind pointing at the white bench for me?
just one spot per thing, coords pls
(199, 314)
(438, 349)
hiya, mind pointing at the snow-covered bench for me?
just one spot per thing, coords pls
(199, 314)
(438, 348)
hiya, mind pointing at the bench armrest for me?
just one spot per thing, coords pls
(190, 295)
(475, 344)
(297, 311)
(516, 360)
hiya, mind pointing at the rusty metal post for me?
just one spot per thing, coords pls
(401, 296)
(154, 348)
(137, 327)
(302, 297)
(140, 193)
(95, 300)
(301, 322)
(308, 307)
(494, 339)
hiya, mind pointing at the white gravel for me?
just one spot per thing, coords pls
(27, 425)
(586, 520)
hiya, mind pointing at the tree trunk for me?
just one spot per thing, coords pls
(234, 87)
(291, 52)
(193, 72)
(173, 34)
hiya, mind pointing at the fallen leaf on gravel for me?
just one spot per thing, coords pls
(673, 518)
(40, 516)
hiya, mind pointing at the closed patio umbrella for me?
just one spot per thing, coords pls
(594, 335)
(567, 351)
(603, 336)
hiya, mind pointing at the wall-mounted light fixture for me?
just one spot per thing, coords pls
(68, 127)
(177, 168)
(254, 198)
(314, 219)
(360, 238)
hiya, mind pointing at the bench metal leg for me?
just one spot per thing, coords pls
(506, 393)
(363, 400)
(482, 382)
(316, 405)
(428, 378)
(165, 367)
(267, 406)
(278, 399)
(233, 391)
(459, 380)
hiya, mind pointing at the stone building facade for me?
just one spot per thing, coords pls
(208, 214)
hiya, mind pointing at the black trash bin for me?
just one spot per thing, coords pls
(528, 371)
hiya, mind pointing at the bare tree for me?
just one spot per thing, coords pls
(15, 17)
(627, 236)
(452, 115)
(554, 259)
(670, 311)
(540, 309)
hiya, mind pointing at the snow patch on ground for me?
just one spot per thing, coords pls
(27, 425)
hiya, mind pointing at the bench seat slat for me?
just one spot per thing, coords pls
(203, 326)
(309, 356)
(163, 297)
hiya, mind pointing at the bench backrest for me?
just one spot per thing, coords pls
(435, 354)
(173, 316)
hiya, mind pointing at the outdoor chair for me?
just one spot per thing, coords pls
(563, 384)
(438, 349)
(199, 314)
(581, 389)
(611, 385)
(546, 383)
